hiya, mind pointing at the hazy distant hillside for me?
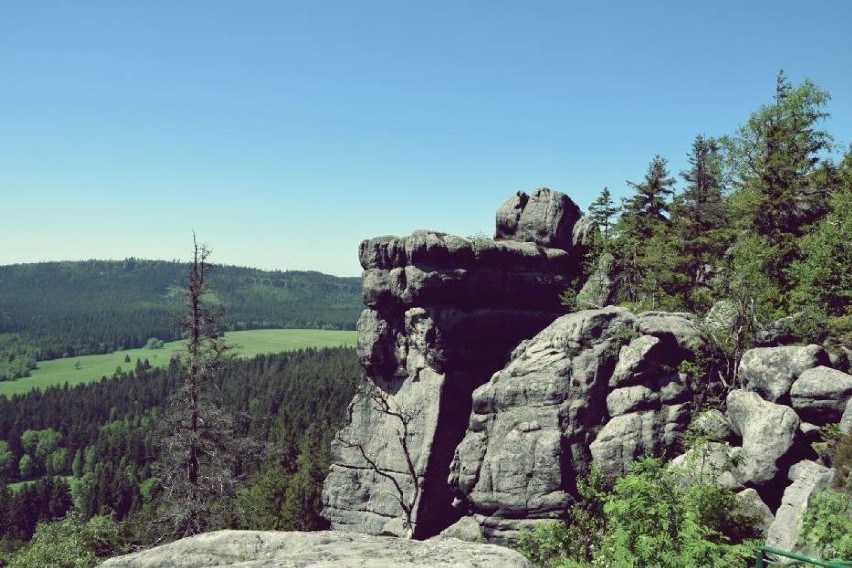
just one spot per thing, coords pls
(99, 306)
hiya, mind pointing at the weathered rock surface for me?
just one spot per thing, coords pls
(753, 506)
(807, 477)
(771, 371)
(722, 315)
(443, 314)
(324, 549)
(846, 419)
(767, 430)
(713, 425)
(820, 394)
(713, 462)
(545, 217)
(594, 387)
(599, 287)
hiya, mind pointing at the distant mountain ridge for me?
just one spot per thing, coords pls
(50, 309)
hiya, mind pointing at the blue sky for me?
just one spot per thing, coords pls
(283, 133)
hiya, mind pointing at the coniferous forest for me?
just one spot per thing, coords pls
(757, 228)
(58, 309)
(92, 449)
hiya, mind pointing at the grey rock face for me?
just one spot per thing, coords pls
(807, 477)
(598, 290)
(768, 431)
(714, 462)
(545, 217)
(771, 371)
(323, 549)
(753, 506)
(592, 388)
(714, 425)
(443, 314)
(820, 394)
(846, 419)
(721, 315)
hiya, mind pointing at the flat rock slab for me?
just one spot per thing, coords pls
(323, 549)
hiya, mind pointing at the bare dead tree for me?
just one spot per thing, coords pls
(200, 446)
(382, 401)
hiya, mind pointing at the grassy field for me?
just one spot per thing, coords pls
(18, 485)
(88, 368)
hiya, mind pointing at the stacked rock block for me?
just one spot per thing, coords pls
(761, 444)
(596, 387)
(443, 313)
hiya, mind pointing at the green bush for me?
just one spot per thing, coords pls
(69, 543)
(649, 517)
(827, 525)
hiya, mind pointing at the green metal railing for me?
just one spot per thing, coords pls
(761, 560)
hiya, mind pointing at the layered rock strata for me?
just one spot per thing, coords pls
(443, 313)
(596, 387)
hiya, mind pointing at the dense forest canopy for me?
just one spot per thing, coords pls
(761, 223)
(94, 448)
(54, 309)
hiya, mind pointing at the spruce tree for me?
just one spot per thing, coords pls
(602, 210)
(650, 203)
(775, 158)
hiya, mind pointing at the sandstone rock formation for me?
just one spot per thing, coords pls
(595, 387)
(443, 313)
(324, 549)
(771, 371)
(481, 406)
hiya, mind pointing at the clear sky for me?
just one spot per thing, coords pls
(285, 132)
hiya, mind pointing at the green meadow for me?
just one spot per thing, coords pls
(88, 368)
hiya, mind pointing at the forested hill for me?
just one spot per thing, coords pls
(99, 306)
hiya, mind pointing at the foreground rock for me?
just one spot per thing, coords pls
(595, 387)
(443, 314)
(324, 549)
(808, 477)
(820, 394)
(768, 432)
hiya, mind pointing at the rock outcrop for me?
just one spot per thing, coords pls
(480, 406)
(595, 387)
(323, 549)
(443, 313)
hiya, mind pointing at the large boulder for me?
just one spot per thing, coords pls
(599, 287)
(713, 425)
(771, 371)
(767, 430)
(322, 549)
(751, 505)
(711, 462)
(808, 477)
(545, 217)
(596, 387)
(820, 394)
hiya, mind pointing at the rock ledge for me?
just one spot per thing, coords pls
(323, 549)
